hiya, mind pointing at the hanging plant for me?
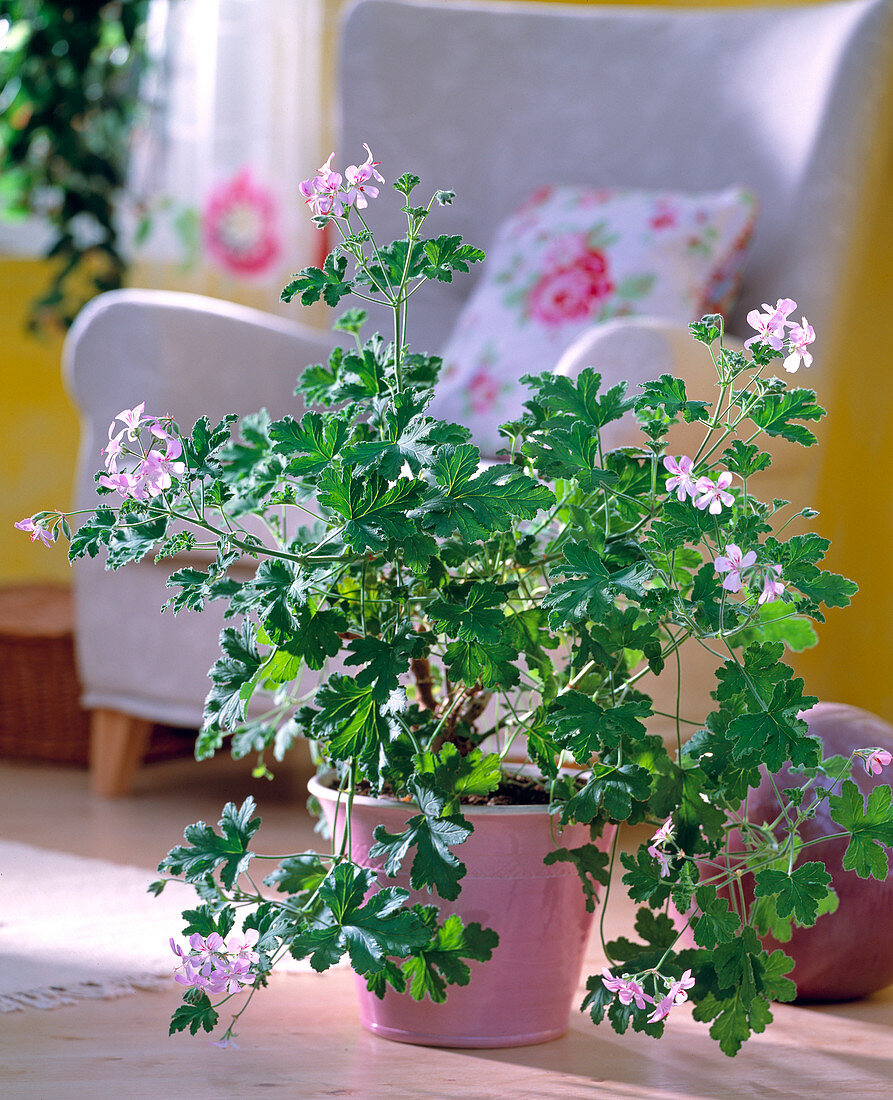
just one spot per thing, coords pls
(70, 77)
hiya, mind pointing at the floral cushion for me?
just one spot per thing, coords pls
(572, 257)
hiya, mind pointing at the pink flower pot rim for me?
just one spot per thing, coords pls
(319, 786)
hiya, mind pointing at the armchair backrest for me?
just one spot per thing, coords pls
(497, 99)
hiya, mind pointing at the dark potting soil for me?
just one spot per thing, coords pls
(514, 790)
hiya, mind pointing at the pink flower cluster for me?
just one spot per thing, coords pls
(628, 990)
(662, 836)
(214, 965)
(875, 760)
(155, 468)
(704, 491)
(736, 564)
(771, 329)
(328, 193)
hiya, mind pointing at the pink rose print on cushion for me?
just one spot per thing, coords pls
(240, 226)
(483, 391)
(571, 291)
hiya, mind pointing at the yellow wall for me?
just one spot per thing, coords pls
(39, 436)
(852, 664)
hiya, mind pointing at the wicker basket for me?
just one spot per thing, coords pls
(41, 717)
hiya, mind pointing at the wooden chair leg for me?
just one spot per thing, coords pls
(117, 746)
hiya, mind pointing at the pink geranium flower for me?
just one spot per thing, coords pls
(240, 225)
(799, 338)
(773, 585)
(734, 563)
(131, 419)
(35, 531)
(770, 325)
(682, 480)
(875, 761)
(661, 1009)
(358, 178)
(713, 495)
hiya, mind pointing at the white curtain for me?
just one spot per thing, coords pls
(237, 119)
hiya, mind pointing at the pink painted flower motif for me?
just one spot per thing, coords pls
(713, 495)
(734, 563)
(876, 761)
(799, 338)
(240, 226)
(682, 480)
(483, 390)
(770, 325)
(773, 585)
(358, 178)
(35, 531)
(571, 291)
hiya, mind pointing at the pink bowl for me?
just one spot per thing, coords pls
(524, 994)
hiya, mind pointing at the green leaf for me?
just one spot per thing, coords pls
(406, 433)
(309, 445)
(432, 835)
(232, 677)
(591, 591)
(643, 878)
(745, 459)
(299, 874)
(442, 961)
(716, 923)
(478, 503)
(406, 183)
(591, 865)
(870, 825)
(480, 619)
(448, 254)
(776, 412)
(708, 329)
(586, 728)
(201, 447)
(207, 850)
(612, 790)
(194, 1014)
(351, 321)
(578, 397)
(132, 542)
(94, 532)
(374, 512)
(669, 394)
(735, 1017)
(367, 932)
(313, 283)
(350, 720)
(774, 984)
(777, 734)
(798, 893)
(490, 664)
(456, 775)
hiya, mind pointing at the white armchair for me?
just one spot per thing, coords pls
(496, 100)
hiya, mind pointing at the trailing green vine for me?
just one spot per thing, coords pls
(70, 95)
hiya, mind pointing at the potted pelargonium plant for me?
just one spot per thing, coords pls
(476, 636)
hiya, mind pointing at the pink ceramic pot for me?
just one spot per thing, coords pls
(525, 992)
